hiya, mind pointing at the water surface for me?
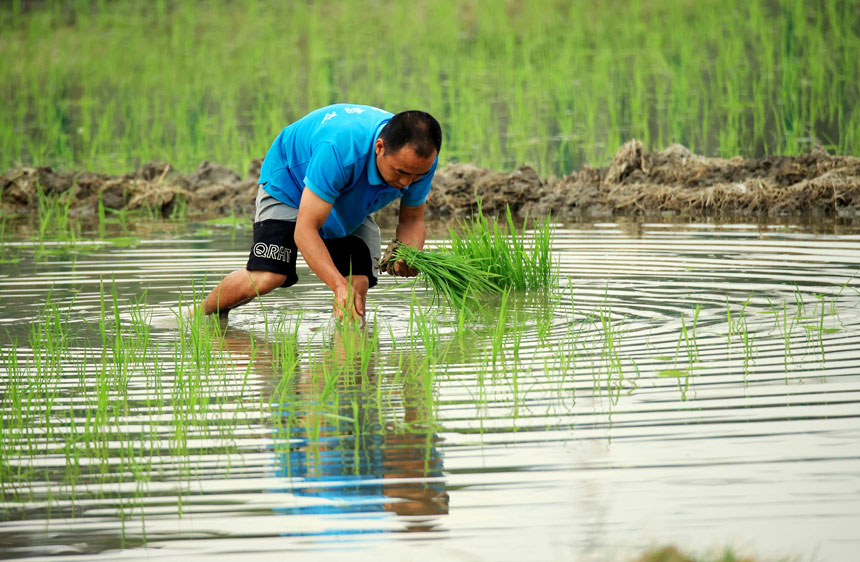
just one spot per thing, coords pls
(697, 385)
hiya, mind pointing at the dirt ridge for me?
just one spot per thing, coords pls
(637, 182)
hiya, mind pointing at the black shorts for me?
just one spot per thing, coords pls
(275, 250)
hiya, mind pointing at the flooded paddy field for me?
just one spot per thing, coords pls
(690, 385)
(696, 385)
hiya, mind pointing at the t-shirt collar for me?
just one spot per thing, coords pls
(373, 177)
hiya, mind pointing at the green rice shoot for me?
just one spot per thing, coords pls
(457, 279)
(485, 257)
(514, 257)
(109, 85)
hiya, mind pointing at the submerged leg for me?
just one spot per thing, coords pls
(240, 287)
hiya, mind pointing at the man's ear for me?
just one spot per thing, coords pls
(379, 147)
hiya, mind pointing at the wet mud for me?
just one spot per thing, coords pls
(673, 181)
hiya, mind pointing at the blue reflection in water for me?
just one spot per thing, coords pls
(365, 457)
(357, 473)
(334, 439)
(352, 481)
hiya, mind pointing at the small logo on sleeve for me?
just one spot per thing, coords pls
(272, 251)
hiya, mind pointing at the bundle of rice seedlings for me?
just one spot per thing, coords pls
(454, 277)
(520, 260)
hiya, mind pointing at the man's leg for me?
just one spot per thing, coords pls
(271, 264)
(239, 287)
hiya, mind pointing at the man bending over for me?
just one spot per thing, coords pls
(321, 180)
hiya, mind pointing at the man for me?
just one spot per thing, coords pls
(320, 181)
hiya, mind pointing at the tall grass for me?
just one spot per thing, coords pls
(107, 85)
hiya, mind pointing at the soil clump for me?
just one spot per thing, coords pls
(671, 181)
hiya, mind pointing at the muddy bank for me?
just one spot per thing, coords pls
(671, 181)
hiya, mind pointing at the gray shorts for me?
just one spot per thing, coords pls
(269, 208)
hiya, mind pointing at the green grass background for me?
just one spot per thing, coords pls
(106, 85)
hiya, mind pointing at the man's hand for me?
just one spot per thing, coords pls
(395, 267)
(412, 232)
(400, 269)
(313, 212)
(347, 303)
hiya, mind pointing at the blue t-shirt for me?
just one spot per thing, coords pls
(331, 152)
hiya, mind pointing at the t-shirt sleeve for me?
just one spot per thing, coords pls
(416, 194)
(325, 175)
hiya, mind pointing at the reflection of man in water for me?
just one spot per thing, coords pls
(344, 444)
(321, 180)
(350, 468)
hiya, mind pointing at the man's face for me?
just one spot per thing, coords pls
(402, 168)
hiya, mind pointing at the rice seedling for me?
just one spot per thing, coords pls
(55, 223)
(546, 313)
(285, 353)
(690, 336)
(682, 375)
(501, 329)
(736, 324)
(572, 337)
(12, 421)
(818, 328)
(516, 337)
(609, 354)
(352, 346)
(484, 257)
(7, 255)
(785, 326)
(748, 340)
(423, 332)
(513, 257)
(456, 279)
(739, 326)
(812, 322)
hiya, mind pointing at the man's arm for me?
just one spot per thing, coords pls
(411, 231)
(313, 212)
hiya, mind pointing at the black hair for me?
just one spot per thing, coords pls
(416, 128)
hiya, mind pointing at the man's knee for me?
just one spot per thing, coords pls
(265, 281)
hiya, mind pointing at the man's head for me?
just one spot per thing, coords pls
(407, 147)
